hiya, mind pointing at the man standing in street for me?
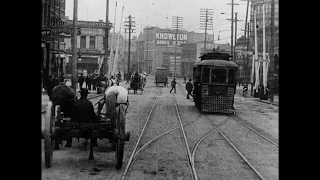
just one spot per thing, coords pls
(189, 88)
(173, 85)
(80, 81)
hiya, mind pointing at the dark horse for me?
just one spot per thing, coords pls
(64, 96)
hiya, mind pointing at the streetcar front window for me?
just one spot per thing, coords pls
(218, 76)
(231, 76)
(205, 75)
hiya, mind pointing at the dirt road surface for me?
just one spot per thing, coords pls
(167, 157)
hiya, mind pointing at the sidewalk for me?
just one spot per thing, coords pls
(275, 102)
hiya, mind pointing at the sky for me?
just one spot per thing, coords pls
(160, 12)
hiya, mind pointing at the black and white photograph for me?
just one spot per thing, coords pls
(164, 90)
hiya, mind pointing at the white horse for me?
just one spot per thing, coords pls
(115, 95)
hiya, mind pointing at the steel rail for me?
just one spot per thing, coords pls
(149, 142)
(261, 135)
(138, 141)
(191, 163)
(201, 139)
(233, 146)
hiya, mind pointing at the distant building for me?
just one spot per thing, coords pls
(158, 44)
(90, 47)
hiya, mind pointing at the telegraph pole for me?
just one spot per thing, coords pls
(235, 39)
(271, 55)
(232, 30)
(205, 14)
(74, 46)
(232, 4)
(246, 39)
(247, 57)
(177, 24)
(130, 25)
(106, 43)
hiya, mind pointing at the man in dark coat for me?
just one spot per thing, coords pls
(80, 81)
(173, 85)
(84, 113)
(189, 88)
(136, 82)
(50, 86)
(94, 81)
(89, 82)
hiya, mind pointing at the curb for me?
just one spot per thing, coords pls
(273, 103)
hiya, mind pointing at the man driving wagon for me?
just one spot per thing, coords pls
(67, 118)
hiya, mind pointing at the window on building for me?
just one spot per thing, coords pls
(83, 42)
(92, 43)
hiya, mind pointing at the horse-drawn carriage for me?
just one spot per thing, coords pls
(109, 122)
(137, 82)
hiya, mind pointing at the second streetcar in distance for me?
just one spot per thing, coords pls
(216, 76)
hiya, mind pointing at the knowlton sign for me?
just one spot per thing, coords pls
(170, 39)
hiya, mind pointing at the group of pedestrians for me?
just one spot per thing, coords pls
(91, 81)
(190, 87)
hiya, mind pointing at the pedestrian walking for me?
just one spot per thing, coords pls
(50, 86)
(119, 76)
(80, 81)
(89, 82)
(94, 81)
(128, 78)
(173, 85)
(184, 78)
(87, 79)
(189, 88)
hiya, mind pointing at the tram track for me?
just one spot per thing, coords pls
(137, 151)
(232, 145)
(217, 128)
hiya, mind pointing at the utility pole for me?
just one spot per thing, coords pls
(106, 43)
(176, 24)
(130, 25)
(246, 39)
(247, 57)
(205, 14)
(125, 43)
(232, 4)
(271, 54)
(235, 39)
(74, 46)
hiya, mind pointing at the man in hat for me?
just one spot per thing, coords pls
(173, 85)
(189, 88)
(84, 112)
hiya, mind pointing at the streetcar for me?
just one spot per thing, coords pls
(216, 82)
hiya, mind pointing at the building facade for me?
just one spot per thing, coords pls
(157, 45)
(52, 46)
(90, 47)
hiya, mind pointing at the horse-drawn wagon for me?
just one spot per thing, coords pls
(137, 82)
(109, 123)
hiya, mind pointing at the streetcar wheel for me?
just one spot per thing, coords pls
(121, 134)
(48, 128)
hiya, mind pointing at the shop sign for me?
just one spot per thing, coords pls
(170, 39)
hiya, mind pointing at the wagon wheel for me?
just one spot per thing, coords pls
(48, 132)
(120, 128)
